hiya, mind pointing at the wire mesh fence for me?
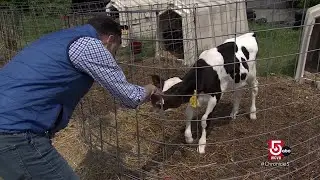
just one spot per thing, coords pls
(165, 39)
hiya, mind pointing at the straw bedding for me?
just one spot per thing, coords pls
(152, 145)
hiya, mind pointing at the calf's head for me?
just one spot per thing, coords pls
(170, 98)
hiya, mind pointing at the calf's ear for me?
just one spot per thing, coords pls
(157, 81)
(155, 99)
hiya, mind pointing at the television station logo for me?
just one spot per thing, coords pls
(277, 150)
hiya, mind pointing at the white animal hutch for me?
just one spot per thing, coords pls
(308, 64)
(215, 20)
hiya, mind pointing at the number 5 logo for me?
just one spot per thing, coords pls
(275, 147)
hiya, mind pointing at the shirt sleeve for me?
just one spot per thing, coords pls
(90, 56)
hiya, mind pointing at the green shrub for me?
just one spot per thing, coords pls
(308, 3)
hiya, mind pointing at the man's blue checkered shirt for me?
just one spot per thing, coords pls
(90, 56)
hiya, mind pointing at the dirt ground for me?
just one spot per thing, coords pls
(152, 146)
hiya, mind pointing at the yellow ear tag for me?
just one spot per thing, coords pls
(193, 100)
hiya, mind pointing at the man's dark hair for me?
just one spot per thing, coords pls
(105, 25)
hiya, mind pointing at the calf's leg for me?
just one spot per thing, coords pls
(187, 132)
(236, 103)
(210, 106)
(254, 92)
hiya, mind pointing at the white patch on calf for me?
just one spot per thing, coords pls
(170, 82)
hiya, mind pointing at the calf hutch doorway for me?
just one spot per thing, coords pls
(171, 33)
(309, 60)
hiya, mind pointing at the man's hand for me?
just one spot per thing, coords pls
(151, 90)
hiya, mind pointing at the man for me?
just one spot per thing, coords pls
(41, 86)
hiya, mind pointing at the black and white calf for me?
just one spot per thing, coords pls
(216, 73)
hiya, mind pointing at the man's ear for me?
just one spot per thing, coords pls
(108, 39)
(111, 38)
(157, 81)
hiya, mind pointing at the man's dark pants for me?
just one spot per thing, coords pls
(31, 156)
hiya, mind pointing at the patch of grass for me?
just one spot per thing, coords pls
(278, 48)
(33, 27)
(147, 50)
(34, 19)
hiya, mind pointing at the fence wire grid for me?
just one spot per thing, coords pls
(165, 39)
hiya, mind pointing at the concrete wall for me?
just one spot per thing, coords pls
(269, 4)
(276, 15)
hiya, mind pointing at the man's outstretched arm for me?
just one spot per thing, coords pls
(90, 56)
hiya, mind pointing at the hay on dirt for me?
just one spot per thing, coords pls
(235, 148)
